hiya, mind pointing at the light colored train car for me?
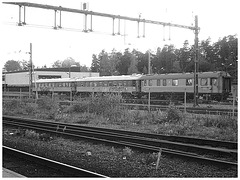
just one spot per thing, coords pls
(55, 85)
(123, 84)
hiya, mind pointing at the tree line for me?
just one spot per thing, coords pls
(219, 56)
(13, 65)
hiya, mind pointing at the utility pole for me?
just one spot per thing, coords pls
(149, 72)
(30, 72)
(149, 62)
(196, 64)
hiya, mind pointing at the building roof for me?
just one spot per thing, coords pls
(65, 69)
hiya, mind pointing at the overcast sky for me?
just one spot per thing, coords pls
(217, 18)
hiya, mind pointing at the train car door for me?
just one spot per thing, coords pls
(214, 85)
(73, 86)
(138, 86)
(226, 85)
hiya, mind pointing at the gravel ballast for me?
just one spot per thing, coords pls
(108, 160)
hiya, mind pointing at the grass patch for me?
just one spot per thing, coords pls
(106, 110)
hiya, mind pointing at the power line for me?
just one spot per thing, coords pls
(138, 20)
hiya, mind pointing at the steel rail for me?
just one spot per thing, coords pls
(188, 109)
(74, 171)
(135, 145)
(143, 141)
(184, 139)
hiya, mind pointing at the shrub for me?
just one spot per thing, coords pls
(31, 134)
(222, 122)
(12, 104)
(47, 107)
(173, 115)
(30, 108)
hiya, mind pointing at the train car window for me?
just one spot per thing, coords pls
(91, 84)
(204, 82)
(129, 83)
(87, 84)
(125, 83)
(120, 83)
(64, 84)
(175, 82)
(189, 82)
(145, 82)
(158, 82)
(134, 83)
(105, 83)
(164, 82)
(114, 83)
(110, 83)
(150, 82)
(213, 82)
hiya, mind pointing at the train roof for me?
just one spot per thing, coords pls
(112, 78)
(56, 80)
(186, 75)
(101, 78)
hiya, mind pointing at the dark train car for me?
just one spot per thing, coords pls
(213, 85)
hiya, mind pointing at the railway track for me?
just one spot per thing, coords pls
(195, 110)
(48, 166)
(224, 153)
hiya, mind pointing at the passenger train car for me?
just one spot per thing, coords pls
(126, 84)
(216, 85)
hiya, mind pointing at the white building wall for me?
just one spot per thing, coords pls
(22, 78)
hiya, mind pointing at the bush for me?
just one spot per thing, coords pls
(30, 108)
(12, 104)
(173, 115)
(221, 122)
(47, 107)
